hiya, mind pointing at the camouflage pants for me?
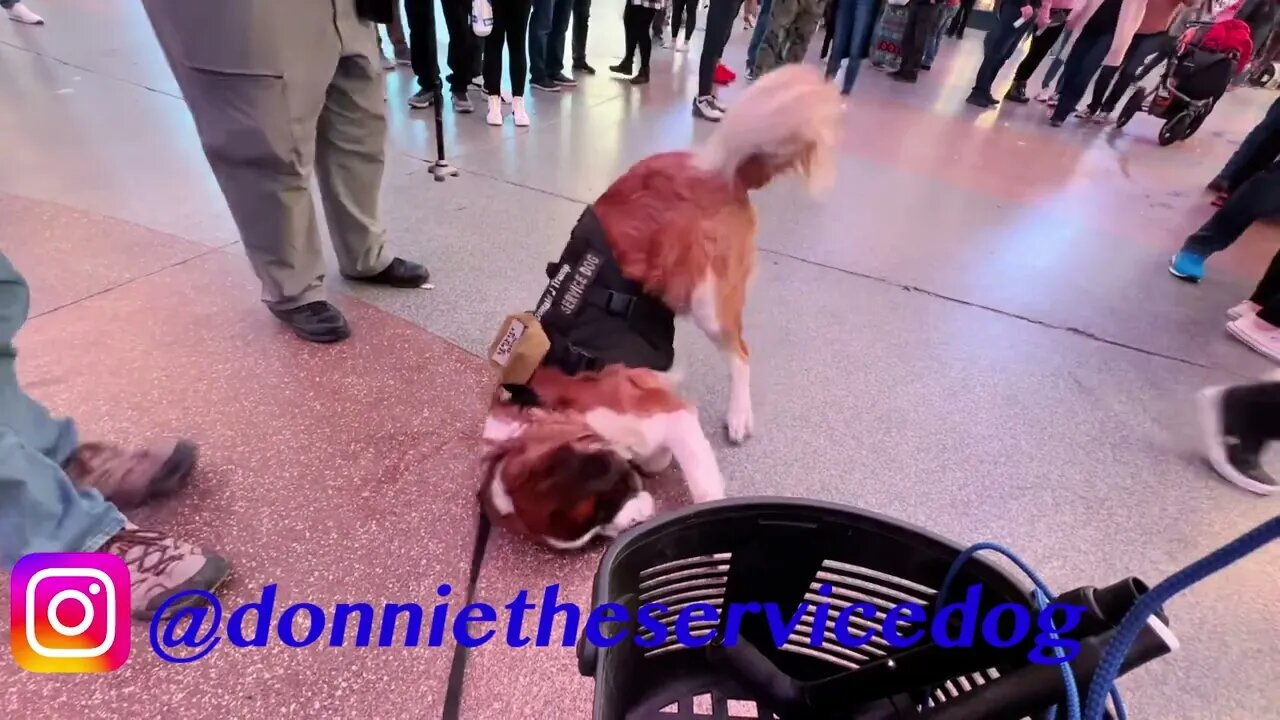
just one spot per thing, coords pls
(791, 25)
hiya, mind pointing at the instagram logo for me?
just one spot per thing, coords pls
(69, 612)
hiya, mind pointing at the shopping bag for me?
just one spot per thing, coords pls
(886, 41)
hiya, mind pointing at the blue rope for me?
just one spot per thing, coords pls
(1128, 630)
(1041, 597)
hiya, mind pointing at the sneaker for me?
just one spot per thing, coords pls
(422, 99)
(477, 82)
(982, 100)
(1085, 114)
(1055, 121)
(1257, 334)
(1235, 460)
(582, 66)
(682, 45)
(1017, 92)
(494, 116)
(21, 13)
(161, 567)
(564, 80)
(318, 322)
(1102, 118)
(904, 76)
(1044, 95)
(518, 112)
(129, 478)
(1248, 307)
(641, 78)
(622, 68)
(545, 86)
(1053, 100)
(715, 100)
(705, 108)
(399, 274)
(1218, 186)
(462, 103)
(1187, 265)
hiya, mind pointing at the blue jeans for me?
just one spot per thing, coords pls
(854, 23)
(40, 509)
(935, 40)
(762, 25)
(548, 25)
(1259, 149)
(999, 45)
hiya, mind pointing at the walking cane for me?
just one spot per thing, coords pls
(440, 169)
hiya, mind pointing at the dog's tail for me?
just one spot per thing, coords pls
(787, 120)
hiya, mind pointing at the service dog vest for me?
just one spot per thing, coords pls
(595, 317)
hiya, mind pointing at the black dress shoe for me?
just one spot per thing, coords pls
(400, 273)
(584, 67)
(621, 68)
(641, 78)
(318, 322)
(982, 100)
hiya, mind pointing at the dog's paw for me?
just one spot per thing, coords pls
(636, 510)
(740, 422)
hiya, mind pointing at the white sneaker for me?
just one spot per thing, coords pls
(518, 112)
(1257, 334)
(682, 45)
(21, 13)
(494, 116)
(705, 108)
(1044, 95)
(1248, 307)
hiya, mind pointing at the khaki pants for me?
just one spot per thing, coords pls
(277, 87)
(786, 38)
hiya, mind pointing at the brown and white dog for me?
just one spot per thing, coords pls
(681, 226)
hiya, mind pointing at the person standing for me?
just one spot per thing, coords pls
(757, 35)
(510, 28)
(1103, 32)
(720, 16)
(1013, 20)
(426, 56)
(1151, 37)
(786, 39)
(1239, 422)
(61, 495)
(637, 20)
(19, 12)
(548, 26)
(949, 10)
(685, 11)
(961, 20)
(1260, 149)
(276, 89)
(854, 26)
(925, 15)
(581, 24)
(1051, 19)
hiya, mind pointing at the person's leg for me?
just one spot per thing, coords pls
(422, 50)
(805, 23)
(562, 10)
(1036, 53)
(644, 42)
(395, 33)
(677, 17)
(1258, 198)
(630, 27)
(996, 47)
(457, 21)
(1085, 59)
(690, 20)
(915, 40)
(961, 20)
(581, 25)
(517, 32)
(539, 30)
(864, 19)
(1258, 150)
(841, 37)
(762, 26)
(1101, 84)
(1144, 46)
(770, 55)
(935, 38)
(720, 17)
(494, 42)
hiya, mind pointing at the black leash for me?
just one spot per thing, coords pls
(458, 670)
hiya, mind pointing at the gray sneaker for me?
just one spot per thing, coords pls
(422, 99)
(161, 567)
(462, 103)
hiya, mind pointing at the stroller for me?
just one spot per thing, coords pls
(1194, 79)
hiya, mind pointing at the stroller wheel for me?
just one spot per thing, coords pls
(1175, 128)
(1131, 107)
(1197, 121)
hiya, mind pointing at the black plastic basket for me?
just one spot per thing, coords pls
(782, 550)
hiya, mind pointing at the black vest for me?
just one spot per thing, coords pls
(594, 316)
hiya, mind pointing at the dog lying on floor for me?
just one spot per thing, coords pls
(592, 410)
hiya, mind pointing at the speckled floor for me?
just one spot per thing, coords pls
(974, 333)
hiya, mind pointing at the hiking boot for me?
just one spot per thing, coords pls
(317, 322)
(161, 567)
(1017, 92)
(129, 478)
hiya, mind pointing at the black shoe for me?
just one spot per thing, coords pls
(903, 76)
(1219, 185)
(400, 273)
(1234, 457)
(1018, 92)
(1056, 121)
(622, 69)
(564, 80)
(982, 100)
(641, 78)
(318, 322)
(545, 86)
(926, 68)
(582, 66)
